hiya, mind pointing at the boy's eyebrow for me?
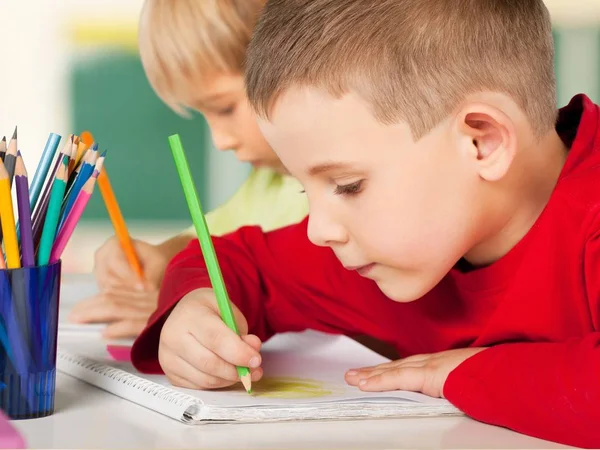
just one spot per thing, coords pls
(210, 98)
(327, 167)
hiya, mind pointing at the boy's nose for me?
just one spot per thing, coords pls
(224, 141)
(324, 230)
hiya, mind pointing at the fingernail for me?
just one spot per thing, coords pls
(362, 382)
(352, 373)
(254, 362)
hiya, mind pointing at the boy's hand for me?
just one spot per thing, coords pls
(125, 311)
(419, 373)
(198, 351)
(125, 301)
(112, 270)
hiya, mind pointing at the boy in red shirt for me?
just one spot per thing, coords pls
(453, 213)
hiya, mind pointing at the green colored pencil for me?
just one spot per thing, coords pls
(53, 214)
(208, 251)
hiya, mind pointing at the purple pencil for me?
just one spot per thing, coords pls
(22, 185)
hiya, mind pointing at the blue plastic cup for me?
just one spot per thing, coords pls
(29, 300)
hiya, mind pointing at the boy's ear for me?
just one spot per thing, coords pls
(488, 136)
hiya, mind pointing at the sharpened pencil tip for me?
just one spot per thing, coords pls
(247, 382)
(94, 147)
(15, 133)
(103, 155)
(3, 138)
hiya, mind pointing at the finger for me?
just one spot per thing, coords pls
(354, 376)
(213, 334)
(200, 379)
(121, 274)
(143, 300)
(408, 361)
(124, 329)
(256, 374)
(404, 379)
(253, 341)
(205, 361)
(105, 309)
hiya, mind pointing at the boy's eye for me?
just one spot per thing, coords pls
(349, 189)
(226, 111)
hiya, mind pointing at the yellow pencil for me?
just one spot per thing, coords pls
(11, 245)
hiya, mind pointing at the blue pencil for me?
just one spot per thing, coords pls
(42, 170)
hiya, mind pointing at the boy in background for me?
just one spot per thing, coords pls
(193, 52)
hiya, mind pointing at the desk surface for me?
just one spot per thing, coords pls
(87, 417)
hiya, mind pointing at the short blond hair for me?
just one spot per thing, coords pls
(182, 42)
(411, 60)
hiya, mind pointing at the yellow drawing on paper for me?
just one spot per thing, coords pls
(291, 388)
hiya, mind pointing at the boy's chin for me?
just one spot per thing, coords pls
(402, 291)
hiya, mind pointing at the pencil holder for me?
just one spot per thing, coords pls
(29, 300)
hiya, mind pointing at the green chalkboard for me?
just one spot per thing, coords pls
(111, 98)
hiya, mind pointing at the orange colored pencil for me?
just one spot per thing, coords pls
(118, 222)
(114, 212)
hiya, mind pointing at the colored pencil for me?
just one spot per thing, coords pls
(3, 148)
(42, 169)
(10, 160)
(21, 181)
(208, 251)
(86, 171)
(72, 219)
(39, 213)
(74, 148)
(89, 158)
(53, 214)
(118, 222)
(11, 245)
(81, 149)
(40, 174)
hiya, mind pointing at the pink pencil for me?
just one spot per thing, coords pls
(72, 219)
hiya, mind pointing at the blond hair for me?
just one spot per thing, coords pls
(411, 60)
(182, 42)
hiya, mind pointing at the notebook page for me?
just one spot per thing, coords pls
(300, 368)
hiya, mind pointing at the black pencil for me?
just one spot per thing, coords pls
(3, 148)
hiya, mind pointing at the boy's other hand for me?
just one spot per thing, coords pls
(418, 373)
(125, 311)
(112, 269)
(198, 351)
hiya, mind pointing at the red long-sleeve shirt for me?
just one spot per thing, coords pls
(537, 308)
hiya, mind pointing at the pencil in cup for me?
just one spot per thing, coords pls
(41, 207)
(9, 231)
(208, 251)
(53, 214)
(70, 223)
(26, 237)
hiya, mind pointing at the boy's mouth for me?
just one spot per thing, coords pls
(364, 270)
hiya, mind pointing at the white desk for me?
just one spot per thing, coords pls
(87, 417)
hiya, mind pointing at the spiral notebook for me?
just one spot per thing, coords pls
(304, 380)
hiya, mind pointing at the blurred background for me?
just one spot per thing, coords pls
(72, 65)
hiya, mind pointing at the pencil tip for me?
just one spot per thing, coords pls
(247, 382)
(103, 155)
(3, 138)
(19, 153)
(94, 147)
(15, 133)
